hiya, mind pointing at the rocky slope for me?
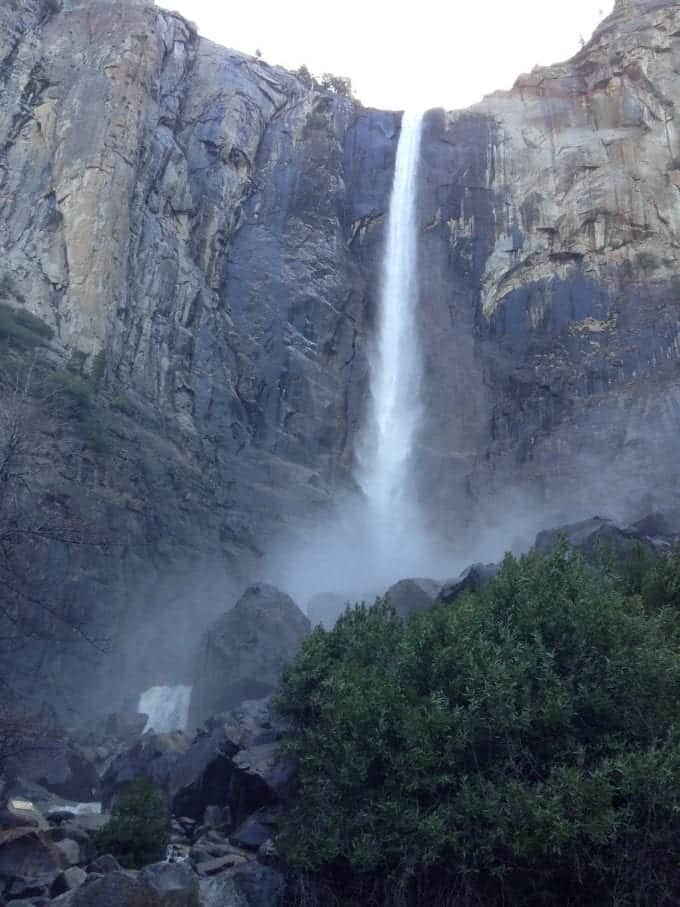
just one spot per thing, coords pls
(204, 230)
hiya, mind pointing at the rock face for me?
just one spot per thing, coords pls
(203, 231)
(411, 595)
(242, 655)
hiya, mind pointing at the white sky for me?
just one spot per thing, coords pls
(424, 53)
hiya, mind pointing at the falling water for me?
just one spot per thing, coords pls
(385, 455)
(166, 708)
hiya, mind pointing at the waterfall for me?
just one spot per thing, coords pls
(381, 537)
(167, 708)
(385, 468)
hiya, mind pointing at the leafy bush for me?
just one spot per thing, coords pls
(138, 831)
(76, 395)
(22, 329)
(519, 747)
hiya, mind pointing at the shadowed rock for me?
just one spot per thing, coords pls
(409, 596)
(471, 579)
(241, 656)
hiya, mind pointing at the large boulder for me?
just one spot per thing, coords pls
(248, 885)
(472, 579)
(28, 857)
(235, 761)
(152, 757)
(117, 889)
(596, 537)
(176, 884)
(409, 596)
(241, 656)
(60, 767)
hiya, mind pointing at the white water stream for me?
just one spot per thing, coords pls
(385, 463)
(167, 708)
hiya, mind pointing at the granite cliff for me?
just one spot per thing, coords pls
(203, 231)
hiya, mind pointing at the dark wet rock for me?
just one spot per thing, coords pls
(660, 528)
(68, 880)
(175, 883)
(262, 775)
(202, 777)
(596, 537)
(259, 827)
(27, 856)
(61, 768)
(241, 656)
(117, 889)
(217, 865)
(412, 595)
(472, 579)
(104, 864)
(259, 885)
(153, 757)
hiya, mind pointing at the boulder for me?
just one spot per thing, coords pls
(202, 776)
(472, 579)
(152, 757)
(325, 609)
(104, 864)
(261, 776)
(28, 854)
(68, 880)
(259, 827)
(242, 654)
(117, 889)
(220, 891)
(662, 529)
(20, 813)
(259, 886)
(61, 768)
(176, 884)
(595, 537)
(233, 762)
(409, 596)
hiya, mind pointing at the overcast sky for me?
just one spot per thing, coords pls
(424, 53)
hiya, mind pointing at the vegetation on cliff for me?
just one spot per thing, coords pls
(519, 747)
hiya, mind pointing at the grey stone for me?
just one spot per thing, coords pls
(26, 853)
(104, 864)
(68, 880)
(242, 655)
(153, 757)
(412, 595)
(593, 538)
(259, 885)
(175, 883)
(116, 889)
(472, 579)
(261, 826)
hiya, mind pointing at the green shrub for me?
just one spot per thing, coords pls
(138, 831)
(21, 329)
(123, 405)
(75, 395)
(519, 747)
(98, 369)
(660, 586)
